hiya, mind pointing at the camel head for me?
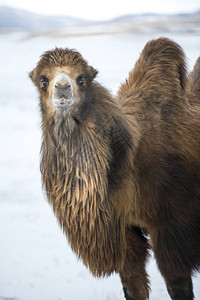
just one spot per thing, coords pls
(63, 78)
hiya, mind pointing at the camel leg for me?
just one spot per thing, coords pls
(180, 288)
(173, 263)
(133, 275)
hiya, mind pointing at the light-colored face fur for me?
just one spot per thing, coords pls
(62, 91)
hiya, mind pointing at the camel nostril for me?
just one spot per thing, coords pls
(62, 88)
(66, 87)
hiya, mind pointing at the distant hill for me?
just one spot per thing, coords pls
(195, 14)
(12, 18)
(34, 24)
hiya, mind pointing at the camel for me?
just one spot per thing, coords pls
(85, 143)
(118, 168)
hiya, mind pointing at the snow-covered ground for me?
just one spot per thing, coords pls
(36, 261)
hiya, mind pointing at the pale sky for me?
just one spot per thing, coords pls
(103, 9)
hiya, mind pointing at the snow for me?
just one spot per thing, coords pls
(36, 261)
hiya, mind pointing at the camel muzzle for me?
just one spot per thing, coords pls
(62, 96)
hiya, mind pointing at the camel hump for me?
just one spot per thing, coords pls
(164, 60)
(159, 74)
(194, 78)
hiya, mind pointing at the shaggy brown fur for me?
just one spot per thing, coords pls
(167, 162)
(111, 166)
(86, 164)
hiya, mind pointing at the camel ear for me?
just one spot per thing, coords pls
(92, 72)
(32, 75)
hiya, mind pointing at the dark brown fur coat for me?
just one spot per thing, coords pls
(167, 160)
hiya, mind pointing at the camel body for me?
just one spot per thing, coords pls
(116, 168)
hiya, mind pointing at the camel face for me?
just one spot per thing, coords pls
(62, 88)
(63, 78)
(67, 88)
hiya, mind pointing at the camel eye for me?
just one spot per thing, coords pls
(44, 83)
(81, 81)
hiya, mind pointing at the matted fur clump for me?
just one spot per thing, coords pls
(117, 169)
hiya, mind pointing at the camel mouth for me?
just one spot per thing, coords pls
(62, 103)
